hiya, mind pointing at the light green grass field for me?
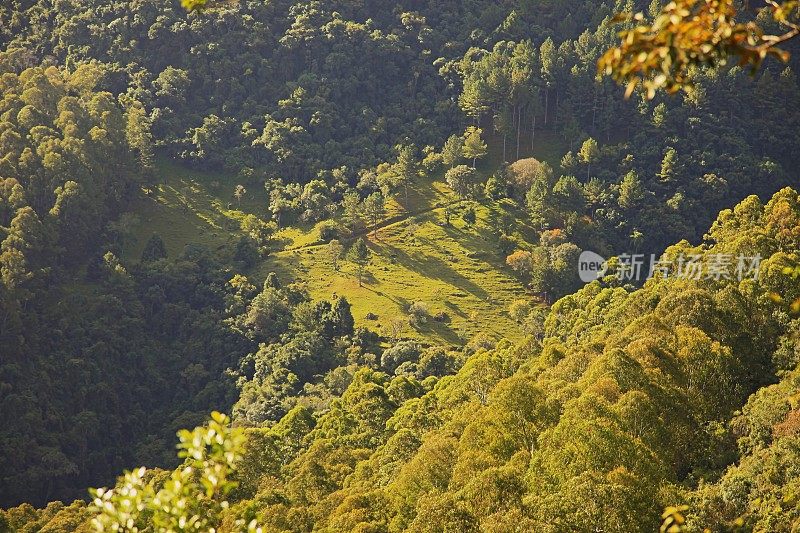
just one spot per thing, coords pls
(456, 270)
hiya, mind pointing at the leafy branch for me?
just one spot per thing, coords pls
(689, 34)
(191, 499)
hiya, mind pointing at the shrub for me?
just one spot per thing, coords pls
(506, 244)
(328, 230)
(400, 353)
(519, 310)
(418, 314)
(469, 216)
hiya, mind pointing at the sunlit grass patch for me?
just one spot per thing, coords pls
(456, 270)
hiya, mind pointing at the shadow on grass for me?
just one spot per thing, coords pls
(455, 309)
(430, 267)
(442, 331)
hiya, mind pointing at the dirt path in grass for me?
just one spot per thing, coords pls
(392, 221)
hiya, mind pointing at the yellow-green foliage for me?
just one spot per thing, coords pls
(191, 498)
(607, 421)
(629, 401)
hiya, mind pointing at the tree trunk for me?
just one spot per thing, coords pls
(555, 111)
(519, 128)
(533, 132)
(546, 104)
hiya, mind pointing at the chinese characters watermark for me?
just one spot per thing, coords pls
(636, 267)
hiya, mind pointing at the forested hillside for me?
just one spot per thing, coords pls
(356, 228)
(628, 401)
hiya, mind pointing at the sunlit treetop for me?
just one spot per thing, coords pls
(191, 5)
(660, 54)
(197, 5)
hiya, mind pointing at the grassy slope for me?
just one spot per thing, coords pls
(456, 270)
(192, 207)
(453, 269)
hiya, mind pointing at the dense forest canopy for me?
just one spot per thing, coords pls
(348, 139)
(634, 395)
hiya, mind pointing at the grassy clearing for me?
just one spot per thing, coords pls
(456, 270)
(192, 207)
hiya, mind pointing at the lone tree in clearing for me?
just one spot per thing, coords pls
(375, 209)
(359, 256)
(461, 179)
(406, 169)
(334, 252)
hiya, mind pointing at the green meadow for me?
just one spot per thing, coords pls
(456, 270)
